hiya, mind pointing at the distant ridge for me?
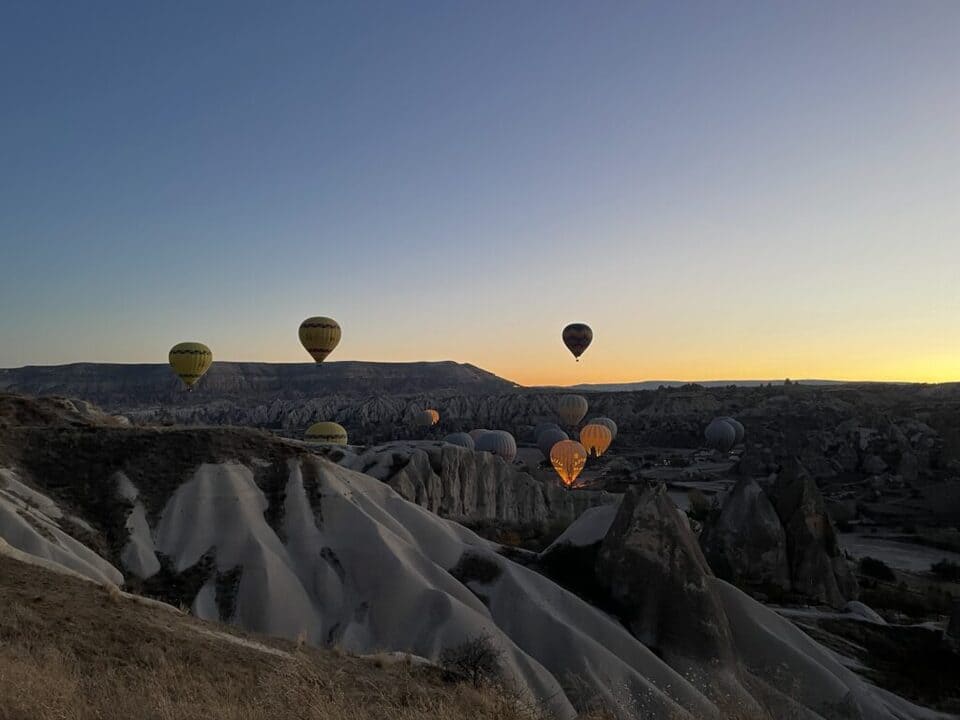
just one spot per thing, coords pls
(129, 385)
(654, 384)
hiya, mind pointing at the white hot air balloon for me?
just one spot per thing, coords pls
(460, 438)
(737, 426)
(541, 428)
(720, 435)
(548, 439)
(572, 408)
(500, 443)
(607, 423)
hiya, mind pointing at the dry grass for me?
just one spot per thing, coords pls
(74, 650)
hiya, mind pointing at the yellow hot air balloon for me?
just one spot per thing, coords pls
(596, 438)
(568, 458)
(326, 432)
(190, 360)
(572, 408)
(434, 416)
(319, 336)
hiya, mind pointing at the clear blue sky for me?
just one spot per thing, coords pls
(721, 189)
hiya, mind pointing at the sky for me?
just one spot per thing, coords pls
(722, 190)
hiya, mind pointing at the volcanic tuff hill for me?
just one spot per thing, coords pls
(263, 533)
(117, 387)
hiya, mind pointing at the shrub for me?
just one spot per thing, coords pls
(476, 660)
(871, 567)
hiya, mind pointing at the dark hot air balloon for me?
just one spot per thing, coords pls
(577, 337)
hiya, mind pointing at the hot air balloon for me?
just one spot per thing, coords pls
(461, 438)
(568, 458)
(572, 408)
(190, 360)
(326, 432)
(498, 442)
(736, 426)
(477, 433)
(607, 423)
(577, 337)
(319, 336)
(720, 435)
(542, 428)
(596, 438)
(549, 438)
(426, 418)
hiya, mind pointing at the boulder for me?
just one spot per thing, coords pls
(855, 607)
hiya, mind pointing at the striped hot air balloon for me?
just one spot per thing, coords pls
(568, 458)
(596, 438)
(498, 442)
(572, 408)
(190, 360)
(326, 432)
(460, 438)
(319, 335)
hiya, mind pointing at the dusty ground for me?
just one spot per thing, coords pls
(72, 649)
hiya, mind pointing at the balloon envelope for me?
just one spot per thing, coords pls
(577, 337)
(542, 428)
(738, 427)
(190, 360)
(319, 336)
(607, 423)
(572, 408)
(477, 433)
(720, 435)
(498, 442)
(596, 438)
(568, 458)
(327, 432)
(461, 438)
(426, 418)
(549, 438)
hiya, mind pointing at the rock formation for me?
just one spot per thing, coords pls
(818, 568)
(471, 487)
(746, 544)
(254, 530)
